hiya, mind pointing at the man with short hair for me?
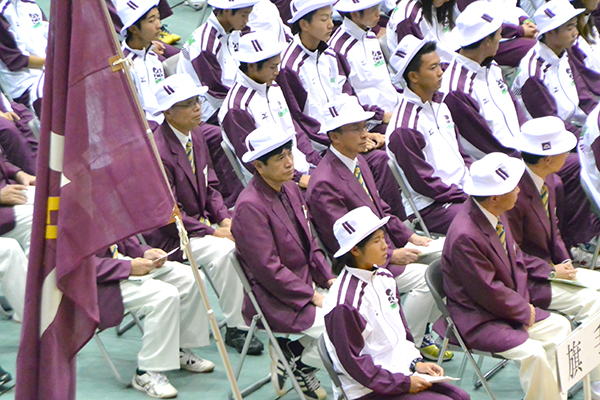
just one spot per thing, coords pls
(141, 26)
(184, 154)
(255, 100)
(422, 139)
(287, 270)
(342, 182)
(207, 56)
(486, 283)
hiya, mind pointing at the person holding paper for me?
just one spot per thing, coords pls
(366, 334)
(486, 282)
(175, 319)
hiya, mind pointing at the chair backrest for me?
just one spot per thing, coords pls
(384, 48)
(170, 64)
(594, 206)
(406, 194)
(435, 282)
(235, 164)
(326, 359)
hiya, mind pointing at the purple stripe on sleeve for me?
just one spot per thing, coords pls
(363, 285)
(407, 112)
(351, 290)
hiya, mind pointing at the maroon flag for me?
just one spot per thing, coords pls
(98, 182)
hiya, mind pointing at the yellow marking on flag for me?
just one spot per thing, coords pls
(53, 205)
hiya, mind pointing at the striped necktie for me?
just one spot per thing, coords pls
(189, 150)
(114, 251)
(501, 234)
(359, 176)
(544, 194)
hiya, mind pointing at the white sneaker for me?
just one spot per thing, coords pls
(155, 384)
(584, 257)
(191, 362)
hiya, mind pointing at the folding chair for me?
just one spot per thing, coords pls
(235, 163)
(587, 188)
(384, 48)
(334, 376)
(259, 316)
(435, 281)
(5, 308)
(170, 64)
(406, 194)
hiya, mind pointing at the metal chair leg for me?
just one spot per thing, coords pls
(110, 361)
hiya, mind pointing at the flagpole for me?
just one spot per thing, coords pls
(118, 63)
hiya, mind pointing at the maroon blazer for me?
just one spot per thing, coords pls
(486, 289)
(196, 195)
(333, 191)
(110, 272)
(7, 177)
(538, 236)
(280, 267)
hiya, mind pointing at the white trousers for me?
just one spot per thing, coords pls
(419, 306)
(22, 230)
(175, 316)
(536, 358)
(579, 303)
(13, 273)
(217, 256)
(310, 355)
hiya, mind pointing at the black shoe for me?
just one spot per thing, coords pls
(309, 384)
(278, 373)
(4, 377)
(236, 337)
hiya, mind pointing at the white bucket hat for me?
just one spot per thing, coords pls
(300, 8)
(129, 11)
(345, 112)
(478, 20)
(231, 4)
(546, 136)
(494, 175)
(257, 46)
(553, 14)
(354, 227)
(264, 139)
(403, 55)
(355, 5)
(176, 88)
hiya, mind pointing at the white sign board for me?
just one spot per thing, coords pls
(579, 353)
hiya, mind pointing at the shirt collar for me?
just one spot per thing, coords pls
(362, 274)
(215, 22)
(350, 26)
(251, 83)
(140, 53)
(468, 63)
(313, 54)
(547, 54)
(537, 180)
(412, 97)
(348, 162)
(183, 138)
(490, 217)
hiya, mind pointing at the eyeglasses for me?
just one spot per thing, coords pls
(189, 103)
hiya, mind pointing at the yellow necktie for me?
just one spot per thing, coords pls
(501, 234)
(114, 251)
(189, 150)
(359, 176)
(544, 195)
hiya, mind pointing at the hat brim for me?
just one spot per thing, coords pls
(362, 6)
(123, 31)
(356, 240)
(253, 155)
(256, 57)
(237, 6)
(560, 20)
(515, 165)
(358, 117)
(457, 37)
(564, 144)
(188, 94)
(309, 9)
(398, 78)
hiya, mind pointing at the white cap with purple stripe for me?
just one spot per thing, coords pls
(176, 88)
(300, 8)
(479, 20)
(354, 227)
(129, 11)
(355, 5)
(343, 112)
(264, 139)
(257, 46)
(231, 4)
(554, 14)
(494, 175)
(403, 55)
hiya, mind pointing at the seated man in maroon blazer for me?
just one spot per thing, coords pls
(342, 182)
(486, 283)
(281, 257)
(135, 277)
(184, 154)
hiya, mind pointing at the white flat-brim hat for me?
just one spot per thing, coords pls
(494, 175)
(300, 8)
(354, 227)
(403, 55)
(231, 4)
(355, 5)
(129, 11)
(479, 20)
(546, 136)
(176, 88)
(264, 139)
(554, 14)
(257, 46)
(344, 112)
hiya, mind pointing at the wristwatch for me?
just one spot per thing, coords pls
(553, 273)
(413, 364)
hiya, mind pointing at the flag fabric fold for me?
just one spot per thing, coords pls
(98, 182)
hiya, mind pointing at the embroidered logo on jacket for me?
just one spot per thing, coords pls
(392, 298)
